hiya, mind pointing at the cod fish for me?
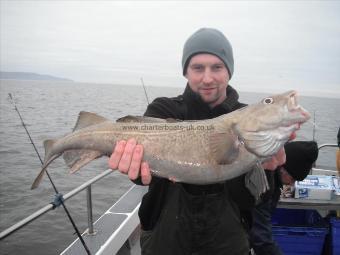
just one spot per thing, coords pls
(196, 152)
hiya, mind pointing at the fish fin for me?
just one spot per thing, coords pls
(38, 179)
(76, 159)
(144, 119)
(86, 119)
(172, 120)
(224, 147)
(131, 118)
(256, 181)
(48, 145)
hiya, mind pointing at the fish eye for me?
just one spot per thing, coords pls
(268, 100)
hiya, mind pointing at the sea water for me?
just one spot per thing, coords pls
(50, 110)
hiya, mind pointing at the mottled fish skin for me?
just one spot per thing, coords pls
(197, 152)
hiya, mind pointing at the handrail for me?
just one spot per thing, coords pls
(328, 145)
(72, 193)
(49, 207)
(324, 171)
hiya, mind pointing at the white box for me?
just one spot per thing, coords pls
(336, 183)
(315, 187)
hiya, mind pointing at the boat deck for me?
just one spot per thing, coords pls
(117, 230)
(114, 228)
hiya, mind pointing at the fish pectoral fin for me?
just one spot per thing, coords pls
(256, 181)
(262, 144)
(76, 159)
(224, 147)
(86, 119)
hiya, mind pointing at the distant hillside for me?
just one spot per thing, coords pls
(29, 76)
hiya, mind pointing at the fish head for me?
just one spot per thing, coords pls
(265, 127)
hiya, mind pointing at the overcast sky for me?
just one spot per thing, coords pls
(278, 45)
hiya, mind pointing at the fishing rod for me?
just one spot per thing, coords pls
(31, 140)
(146, 95)
(314, 123)
(58, 197)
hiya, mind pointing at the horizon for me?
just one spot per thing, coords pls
(277, 45)
(264, 91)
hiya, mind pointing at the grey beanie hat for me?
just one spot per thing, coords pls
(208, 40)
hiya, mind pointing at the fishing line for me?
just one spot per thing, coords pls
(314, 123)
(29, 136)
(146, 95)
(58, 197)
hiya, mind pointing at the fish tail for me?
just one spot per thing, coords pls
(48, 144)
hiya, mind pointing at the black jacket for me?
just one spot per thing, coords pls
(189, 106)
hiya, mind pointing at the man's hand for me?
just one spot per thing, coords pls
(278, 160)
(127, 158)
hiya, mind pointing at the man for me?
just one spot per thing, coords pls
(181, 218)
(300, 159)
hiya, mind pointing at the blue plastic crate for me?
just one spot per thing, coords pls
(335, 234)
(300, 240)
(286, 217)
(296, 217)
(299, 232)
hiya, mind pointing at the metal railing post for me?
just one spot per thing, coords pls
(321, 147)
(49, 207)
(89, 210)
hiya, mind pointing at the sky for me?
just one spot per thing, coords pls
(278, 45)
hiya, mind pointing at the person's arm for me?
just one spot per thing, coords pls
(261, 232)
(277, 160)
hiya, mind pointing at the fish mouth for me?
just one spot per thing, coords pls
(298, 114)
(294, 106)
(266, 140)
(293, 114)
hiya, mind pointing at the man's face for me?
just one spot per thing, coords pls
(208, 76)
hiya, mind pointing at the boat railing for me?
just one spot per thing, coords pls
(87, 185)
(328, 145)
(321, 169)
(51, 206)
